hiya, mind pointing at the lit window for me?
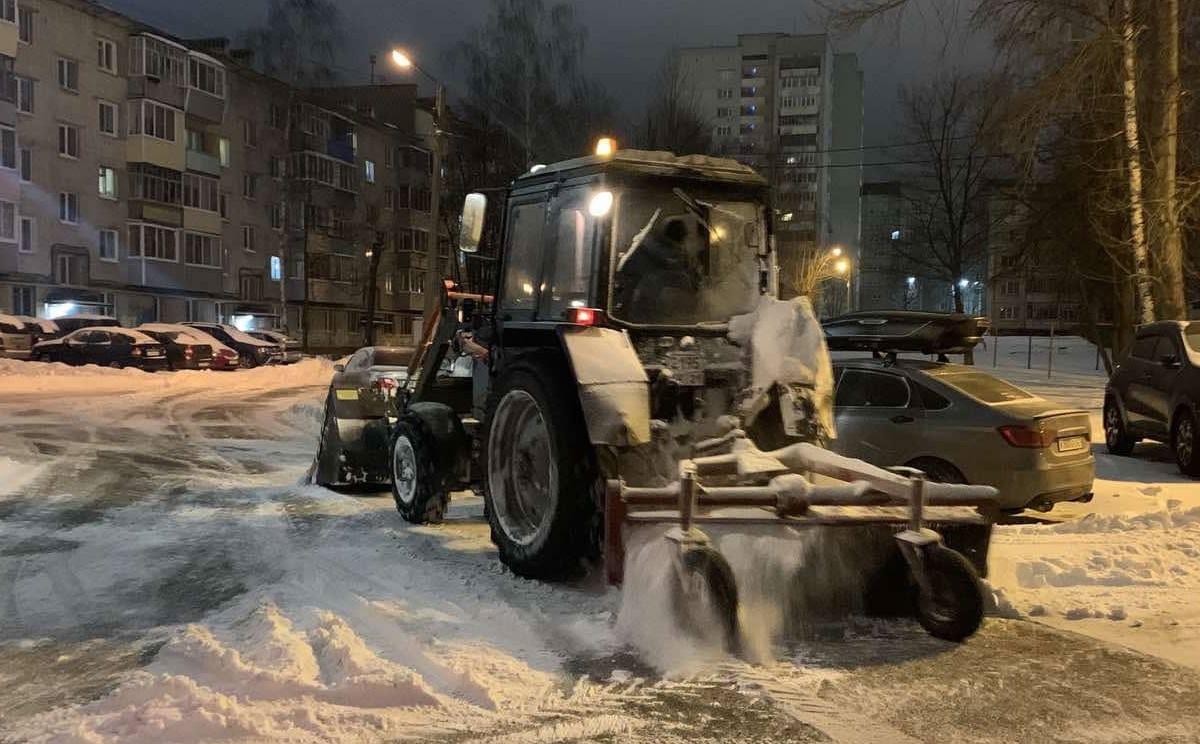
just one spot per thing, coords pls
(223, 151)
(276, 269)
(370, 171)
(108, 182)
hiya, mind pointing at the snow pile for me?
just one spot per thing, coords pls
(21, 378)
(1166, 519)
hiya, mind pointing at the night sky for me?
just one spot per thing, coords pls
(626, 44)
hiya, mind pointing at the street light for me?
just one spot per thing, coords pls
(836, 251)
(402, 60)
(843, 267)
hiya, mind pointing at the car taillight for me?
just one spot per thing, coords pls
(384, 383)
(137, 351)
(584, 316)
(1027, 436)
(188, 351)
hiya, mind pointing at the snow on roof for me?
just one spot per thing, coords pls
(195, 335)
(137, 336)
(12, 320)
(89, 316)
(47, 325)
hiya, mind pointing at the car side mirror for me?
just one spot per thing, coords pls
(1169, 361)
(471, 229)
(339, 368)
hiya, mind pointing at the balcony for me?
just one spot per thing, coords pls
(203, 162)
(340, 149)
(158, 70)
(205, 87)
(8, 93)
(8, 39)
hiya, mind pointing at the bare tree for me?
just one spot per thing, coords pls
(811, 270)
(674, 120)
(956, 157)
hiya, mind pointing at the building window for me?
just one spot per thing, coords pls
(202, 250)
(68, 141)
(8, 148)
(108, 182)
(26, 165)
(724, 131)
(8, 221)
(389, 157)
(152, 119)
(223, 205)
(25, 88)
(107, 117)
(248, 238)
(1010, 288)
(27, 235)
(25, 25)
(106, 55)
(725, 93)
(8, 10)
(252, 287)
(206, 77)
(68, 207)
(275, 215)
(223, 151)
(152, 183)
(369, 167)
(277, 116)
(200, 192)
(276, 269)
(1008, 312)
(249, 133)
(422, 200)
(278, 166)
(68, 74)
(249, 184)
(152, 241)
(107, 246)
(724, 111)
(157, 58)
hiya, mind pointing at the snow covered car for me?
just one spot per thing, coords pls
(42, 328)
(104, 346)
(16, 338)
(960, 425)
(291, 347)
(69, 323)
(223, 357)
(362, 392)
(1155, 393)
(184, 350)
(252, 351)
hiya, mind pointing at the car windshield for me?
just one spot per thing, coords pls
(681, 259)
(1191, 336)
(984, 387)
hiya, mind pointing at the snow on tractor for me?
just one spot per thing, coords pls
(613, 353)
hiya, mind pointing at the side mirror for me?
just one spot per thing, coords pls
(471, 228)
(1169, 361)
(339, 368)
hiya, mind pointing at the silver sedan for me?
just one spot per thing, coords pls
(964, 426)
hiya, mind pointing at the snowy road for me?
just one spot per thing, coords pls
(163, 578)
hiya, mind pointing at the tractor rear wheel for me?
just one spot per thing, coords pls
(540, 475)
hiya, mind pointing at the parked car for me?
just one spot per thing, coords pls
(16, 339)
(185, 349)
(960, 425)
(1155, 393)
(362, 391)
(223, 357)
(69, 323)
(41, 328)
(252, 351)
(105, 346)
(291, 347)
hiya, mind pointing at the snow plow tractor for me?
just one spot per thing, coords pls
(612, 353)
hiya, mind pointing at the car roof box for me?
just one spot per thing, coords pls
(905, 331)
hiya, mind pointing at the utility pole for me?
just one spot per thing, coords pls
(433, 272)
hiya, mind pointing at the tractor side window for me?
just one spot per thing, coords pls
(571, 264)
(523, 265)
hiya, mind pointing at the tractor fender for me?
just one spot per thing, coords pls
(614, 391)
(451, 443)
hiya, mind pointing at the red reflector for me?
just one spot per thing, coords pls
(584, 316)
(384, 383)
(1027, 436)
(187, 351)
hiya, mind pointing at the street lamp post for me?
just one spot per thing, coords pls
(843, 268)
(433, 276)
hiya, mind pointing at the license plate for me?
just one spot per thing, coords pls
(346, 394)
(154, 352)
(686, 368)
(1071, 444)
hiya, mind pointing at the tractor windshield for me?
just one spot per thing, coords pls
(683, 259)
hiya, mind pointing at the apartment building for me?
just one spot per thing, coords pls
(153, 178)
(792, 108)
(890, 275)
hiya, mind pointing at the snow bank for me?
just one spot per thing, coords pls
(22, 378)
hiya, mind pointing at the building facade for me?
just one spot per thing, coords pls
(792, 108)
(158, 179)
(889, 276)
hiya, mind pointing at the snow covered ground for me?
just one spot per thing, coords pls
(1126, 567)
(165, 578)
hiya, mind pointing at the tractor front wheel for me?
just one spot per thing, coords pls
(950, 606)
(705, 597)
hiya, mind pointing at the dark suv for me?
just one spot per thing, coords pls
(1155, 393)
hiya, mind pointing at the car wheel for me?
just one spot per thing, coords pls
(116, 365)
(417, 485)
(328, 470)
(1184, 442)
(938, 471)
(249, 362)
(951, 608)
(1116, 438)
(41, 358)
(541, 482)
